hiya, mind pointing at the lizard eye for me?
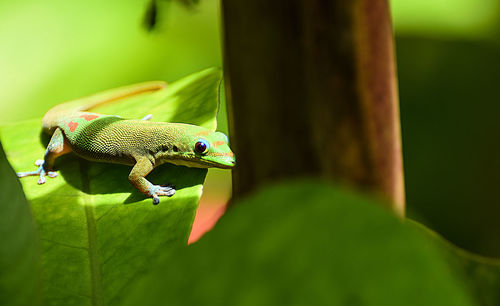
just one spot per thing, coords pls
(201, 146)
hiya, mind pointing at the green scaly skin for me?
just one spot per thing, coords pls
(138, 143)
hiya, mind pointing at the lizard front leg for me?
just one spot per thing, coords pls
(137, 178)
(57, 147)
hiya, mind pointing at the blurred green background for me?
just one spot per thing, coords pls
(449, 73)
(448, 63)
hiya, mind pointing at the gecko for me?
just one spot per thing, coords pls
(142, 144)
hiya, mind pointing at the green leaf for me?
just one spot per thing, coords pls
(189, 100)
(304, 243)
(20, 263)
(481, 274)
(97, 232)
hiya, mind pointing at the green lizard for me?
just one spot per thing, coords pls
(139, 143)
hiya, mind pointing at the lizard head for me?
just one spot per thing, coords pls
(193, 146)
(212, 150)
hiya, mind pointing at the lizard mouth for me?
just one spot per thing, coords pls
(225, 163)
(204, 162)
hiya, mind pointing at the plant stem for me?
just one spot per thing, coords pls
(311, 91)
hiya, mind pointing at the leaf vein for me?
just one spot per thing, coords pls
(64, 244)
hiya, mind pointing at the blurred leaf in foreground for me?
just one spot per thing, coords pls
(20, 277)
(481, 274)
(304, 243)
(97, 232)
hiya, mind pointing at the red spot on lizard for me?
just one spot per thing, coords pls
(89, 117)
(72, 125)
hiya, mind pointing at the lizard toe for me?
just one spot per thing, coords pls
(157, 191)
(24, 174)
(41, 180)
(166, 192)
(37, 172)
(167, 185)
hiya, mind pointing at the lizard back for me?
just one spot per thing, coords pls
(99, 137)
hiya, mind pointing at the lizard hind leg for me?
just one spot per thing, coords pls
(57, 147)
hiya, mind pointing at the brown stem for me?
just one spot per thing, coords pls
(311, 90)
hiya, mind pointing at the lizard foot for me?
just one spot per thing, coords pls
(40, 172)
(157, 190)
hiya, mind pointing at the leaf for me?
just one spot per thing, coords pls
(481, 274)
(97, 232)
(189, 100)
(304, 243)
(20, 263)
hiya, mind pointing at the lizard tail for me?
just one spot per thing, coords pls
(51, 118)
